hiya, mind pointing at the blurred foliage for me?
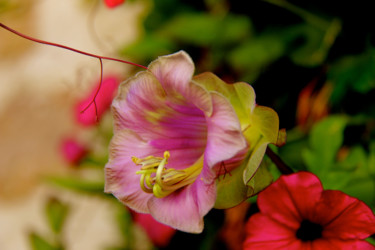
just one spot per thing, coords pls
(55, 214)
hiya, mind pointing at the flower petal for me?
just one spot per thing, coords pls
(120, 172)
(184, 209)
(344, 217)
(174, 72)
(285, 200)
(265, 233)
(225, 137)
(134, 109)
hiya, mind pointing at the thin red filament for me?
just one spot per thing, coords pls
(101, 58)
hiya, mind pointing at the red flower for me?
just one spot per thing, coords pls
(72, 151)
(113, 3)
(103, 102)
(296, 213)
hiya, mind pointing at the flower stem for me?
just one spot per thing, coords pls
(280, 164)
(101, 58)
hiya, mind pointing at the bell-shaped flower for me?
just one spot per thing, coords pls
(182, 143)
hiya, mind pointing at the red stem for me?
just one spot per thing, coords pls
(68, 48)
(101, 58)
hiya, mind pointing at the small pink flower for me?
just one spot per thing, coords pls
(296, 213)
(113, 3)
(159, 234)
(103, 101)
(175, 135)
(73, 151)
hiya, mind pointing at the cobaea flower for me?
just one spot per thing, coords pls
(178, 139)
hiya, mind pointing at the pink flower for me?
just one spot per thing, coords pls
(176, 134)
(296, 213)
(113, 3)
(103, 102)
(73, 151)
(159, 234)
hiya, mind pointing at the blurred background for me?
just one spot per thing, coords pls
(311, 61)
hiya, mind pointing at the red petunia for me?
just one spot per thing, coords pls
(296, 213)
(103, 102)
(113, 3)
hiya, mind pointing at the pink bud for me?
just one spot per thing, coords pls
(103, 100)
(113, 3)
(72, 151)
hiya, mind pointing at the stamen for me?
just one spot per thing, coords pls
(157, 179)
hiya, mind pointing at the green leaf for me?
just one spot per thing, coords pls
(39, 243)
(195, 28)
(77, 184)
(149, 47)
(257, 53)
(352, 73)
(56, 212)
(202, 29)
(315, 45)
(361, 188)
(324, 141)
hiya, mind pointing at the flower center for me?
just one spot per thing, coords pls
(162, 181)
(309, 231)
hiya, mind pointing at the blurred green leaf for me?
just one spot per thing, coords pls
(195, 28)
(325, 139)
(355, 72)
(56, 212)
(149, 48)
(78, 184)
(371, 159)
(361, 188)
(39, 243)
(255, 54)
(355, 161)
(202, 29)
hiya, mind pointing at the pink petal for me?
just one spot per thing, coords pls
(225, 139)
(120, 172)
(103, 102)
(291, 198)
(175, 72)
(344, 217)
(166, 123)
(184, 209)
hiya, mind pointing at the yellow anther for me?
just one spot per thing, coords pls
(157, 179)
